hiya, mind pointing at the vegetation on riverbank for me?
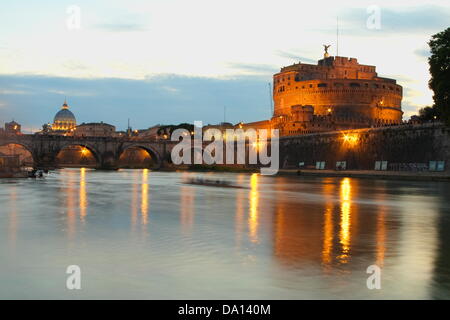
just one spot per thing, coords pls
(440, 78)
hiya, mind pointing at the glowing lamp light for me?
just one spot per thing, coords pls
(258, 145)
(351, 139)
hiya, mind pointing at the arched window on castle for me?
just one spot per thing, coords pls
(322, 85)
(354, 85)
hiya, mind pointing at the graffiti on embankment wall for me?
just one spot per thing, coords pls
(404, 147)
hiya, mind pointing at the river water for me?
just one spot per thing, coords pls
(139, 234)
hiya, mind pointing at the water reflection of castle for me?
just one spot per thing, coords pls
(328, 232)
(321, 225)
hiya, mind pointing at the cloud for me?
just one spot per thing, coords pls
(401, 79)
(254, 68)
(423, 52)
(13, 92)
(410, 109)
(409, 93)
(163, 99)
(71, 93)
(295, 57)
(170, 89)
(75, 65)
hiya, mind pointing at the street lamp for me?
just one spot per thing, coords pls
(351, 139)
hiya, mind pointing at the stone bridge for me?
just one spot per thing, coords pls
(106, 150)
(405, 144)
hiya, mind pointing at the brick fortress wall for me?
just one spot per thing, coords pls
(341, 91)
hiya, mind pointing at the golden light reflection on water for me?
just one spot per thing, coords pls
(381, 237)
(253, 212)
(313, 225)
(240, 211)
(71, 198)
(144, 197)
(345, 223)
(83, 194)
(134, 200)
(187, 208)
(328, 226)
(327, 236)
(76, 198)
(381, 227)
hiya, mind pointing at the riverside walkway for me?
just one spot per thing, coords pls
(371, 174)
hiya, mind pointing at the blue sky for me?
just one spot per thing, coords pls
(177, 61)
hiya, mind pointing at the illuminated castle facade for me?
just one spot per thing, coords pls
(336, 94)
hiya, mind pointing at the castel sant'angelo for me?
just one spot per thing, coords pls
(336, 94)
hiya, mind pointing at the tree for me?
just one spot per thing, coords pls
(427, 113)
(45, 128)
(168, 129)
(439, 62)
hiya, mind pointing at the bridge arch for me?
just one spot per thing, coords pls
(85, 149)
(154, 154)
(25, 146)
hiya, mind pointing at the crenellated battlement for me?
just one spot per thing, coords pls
(340, 87)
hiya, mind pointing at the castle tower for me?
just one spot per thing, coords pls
(352, 94)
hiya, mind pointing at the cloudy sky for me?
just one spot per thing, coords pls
(171, 61)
